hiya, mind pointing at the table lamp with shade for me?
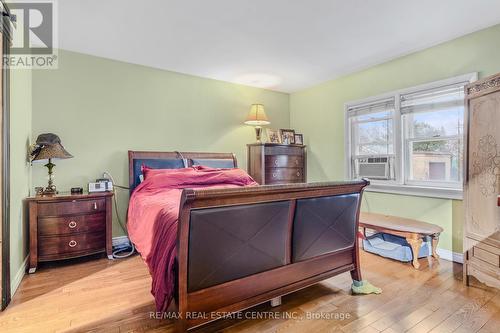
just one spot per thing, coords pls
(257, 117)
(48, 147)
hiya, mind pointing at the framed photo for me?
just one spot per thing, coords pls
(273, 136)
(299, 139)
(287, 136)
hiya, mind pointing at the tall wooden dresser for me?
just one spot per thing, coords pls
(272, 163)
(482, 182)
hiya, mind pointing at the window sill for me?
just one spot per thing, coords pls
(419, 191)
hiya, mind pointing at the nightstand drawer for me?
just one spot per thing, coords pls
(51, 226)
(61, 247)
(71, 207)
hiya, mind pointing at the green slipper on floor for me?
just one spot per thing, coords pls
(364, 287)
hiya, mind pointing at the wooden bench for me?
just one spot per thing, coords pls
(413, 230)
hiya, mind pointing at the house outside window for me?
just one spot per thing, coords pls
(410, 141)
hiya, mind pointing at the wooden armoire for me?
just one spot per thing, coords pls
(482, 182)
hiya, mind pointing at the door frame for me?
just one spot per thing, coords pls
(5, 158)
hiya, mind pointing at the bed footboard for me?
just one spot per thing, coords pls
(244, 246)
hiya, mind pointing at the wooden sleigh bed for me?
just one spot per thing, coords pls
(240, 247)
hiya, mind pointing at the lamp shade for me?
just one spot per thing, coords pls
(257, 116)
(49, 146)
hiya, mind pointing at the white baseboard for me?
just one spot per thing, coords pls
(16, 281)
(121, 240)
(450, 255)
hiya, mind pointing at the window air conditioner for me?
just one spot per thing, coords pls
(374, 167)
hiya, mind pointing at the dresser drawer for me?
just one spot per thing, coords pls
(284, 161)
(60, 247)
(71, 207)
(50, 226)
(486, 256)
(283, 150)
(292, 175)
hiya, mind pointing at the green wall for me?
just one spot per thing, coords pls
(101, 108)
(318, 113)
(20, 178)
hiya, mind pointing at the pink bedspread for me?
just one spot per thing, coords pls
(153, 213)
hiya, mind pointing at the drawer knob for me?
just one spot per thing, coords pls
(72, 224)
(72, 243)
(95, 205)
(298, 173)
(276, 162)
(296, 162)
(275, 175)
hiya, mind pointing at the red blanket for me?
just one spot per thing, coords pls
(153, 213)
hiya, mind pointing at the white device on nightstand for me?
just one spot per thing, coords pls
(101, 185)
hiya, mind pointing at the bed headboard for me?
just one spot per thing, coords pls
(174, 160)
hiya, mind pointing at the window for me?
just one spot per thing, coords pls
(410, 141)
(433, 122)
(372, 137)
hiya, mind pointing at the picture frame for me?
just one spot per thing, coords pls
(287, 136)
(273, 135)
(299, 139)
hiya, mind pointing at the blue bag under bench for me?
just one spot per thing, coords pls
(393, 247)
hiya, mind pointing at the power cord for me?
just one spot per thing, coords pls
(128, 249)
(184, 160)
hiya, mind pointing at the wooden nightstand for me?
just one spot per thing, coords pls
(67, 226)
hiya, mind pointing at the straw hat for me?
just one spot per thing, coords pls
(47, 146)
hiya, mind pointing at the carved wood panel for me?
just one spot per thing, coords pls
(483, 214)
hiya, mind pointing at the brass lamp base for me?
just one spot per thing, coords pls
(49, 190)
(51, 187)
(258, 133)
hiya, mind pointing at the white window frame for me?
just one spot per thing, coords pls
(399, 185)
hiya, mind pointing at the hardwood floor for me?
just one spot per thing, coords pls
(114, 296)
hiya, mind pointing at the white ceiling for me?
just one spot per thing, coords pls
(284, 45)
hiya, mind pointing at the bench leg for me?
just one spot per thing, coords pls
(415, 243)
(435, 241)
